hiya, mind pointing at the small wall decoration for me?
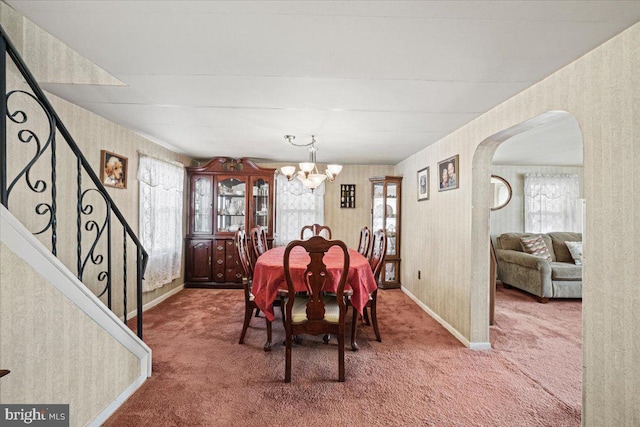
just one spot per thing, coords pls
(347, 195)
(448, 173)
(113, 169)
(423, 184)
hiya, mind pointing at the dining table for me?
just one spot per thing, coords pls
(268, 276)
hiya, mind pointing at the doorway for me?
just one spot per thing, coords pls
(542, 340)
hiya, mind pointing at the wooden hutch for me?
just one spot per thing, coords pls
(224, 195)
(386, 202)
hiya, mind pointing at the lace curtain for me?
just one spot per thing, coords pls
(297, 206)
(551, 203)
(161, 201)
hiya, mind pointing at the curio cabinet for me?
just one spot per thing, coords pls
(225, 195)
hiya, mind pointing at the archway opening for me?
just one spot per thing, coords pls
(550, 145)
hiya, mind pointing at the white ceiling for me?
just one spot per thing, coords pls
(557, 141)
(374, 81)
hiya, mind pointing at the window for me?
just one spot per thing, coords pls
(296, 206)
(551, 203)
(161, 201)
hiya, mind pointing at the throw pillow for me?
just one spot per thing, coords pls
(575, 248)
(535, 246)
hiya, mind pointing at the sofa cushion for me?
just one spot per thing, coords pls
(561, 251)
(511, 241)
(575, 249)
(565, 271)
(535, 246)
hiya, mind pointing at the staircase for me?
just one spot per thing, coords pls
(71, 264)
(79, 223)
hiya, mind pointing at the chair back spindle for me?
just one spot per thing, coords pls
(378, 252)
(365, 242)
(259, 241)
(316, 230)
(240, 239)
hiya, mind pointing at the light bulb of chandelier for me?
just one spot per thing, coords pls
(288, 171)
(311, 181)
(307, 167)
(333, 171)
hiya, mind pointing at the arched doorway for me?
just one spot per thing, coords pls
(482, 201)
(527, 333)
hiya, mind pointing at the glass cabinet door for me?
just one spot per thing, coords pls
(391, 212)
(202, 204)
(378, 207)
(260, 203)
(231, 204)
(386, 196)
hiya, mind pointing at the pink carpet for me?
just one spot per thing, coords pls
(418, 375)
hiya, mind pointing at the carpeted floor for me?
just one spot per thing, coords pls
(419, 375)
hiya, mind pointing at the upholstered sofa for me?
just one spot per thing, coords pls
(558, 278)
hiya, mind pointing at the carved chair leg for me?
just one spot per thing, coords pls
(341, 354)
(374, 319)
(287, 363)
(282, 313)
(365, 314)
(326, 338)
(267, 345)
(248, 311)
(257, 312)
(354, 323)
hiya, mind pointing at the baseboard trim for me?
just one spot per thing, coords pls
(453, 331)
(117, 402)
(154, 302)
(162, 297)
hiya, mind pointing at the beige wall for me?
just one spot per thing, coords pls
(56, 353)
(448, 236)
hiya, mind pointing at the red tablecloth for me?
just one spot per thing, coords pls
(268, 276)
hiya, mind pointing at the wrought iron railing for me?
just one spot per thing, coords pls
(92, 207)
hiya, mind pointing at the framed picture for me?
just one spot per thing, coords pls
(347, 195)
(448, 173)
(113, 169)
(423, 184)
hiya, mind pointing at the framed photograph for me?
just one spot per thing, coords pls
(423, 184)
(113, 169)
(448, 173)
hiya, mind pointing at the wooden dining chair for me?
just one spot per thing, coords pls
(259, 243)
(240, 240)
(317, 312)
(376, 261)
(365, 241)
(316, 230)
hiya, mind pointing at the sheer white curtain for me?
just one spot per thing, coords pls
(551, 203)
(161, 201)
(296, 206)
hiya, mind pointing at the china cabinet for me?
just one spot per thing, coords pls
(386, 192)
(224, 195)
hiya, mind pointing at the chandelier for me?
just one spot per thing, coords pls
(308, 173)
